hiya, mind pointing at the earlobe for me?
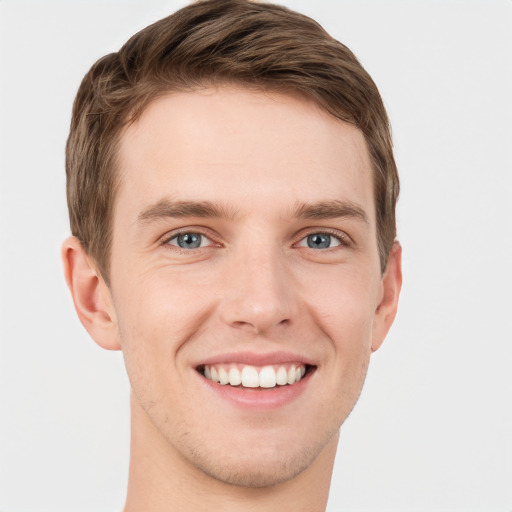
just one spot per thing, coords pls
(391, 286)
(91, 295)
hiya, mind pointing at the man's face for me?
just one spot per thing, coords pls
(245, 247)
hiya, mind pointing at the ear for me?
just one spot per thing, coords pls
(391, 285)
(91, 295)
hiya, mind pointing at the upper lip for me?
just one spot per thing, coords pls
(255, 359)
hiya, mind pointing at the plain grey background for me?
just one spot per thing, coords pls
(432, 430)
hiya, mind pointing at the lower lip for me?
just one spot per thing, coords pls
(259, 398)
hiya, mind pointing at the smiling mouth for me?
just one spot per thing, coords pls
(248, 376)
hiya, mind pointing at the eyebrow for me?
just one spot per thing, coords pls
(167, 208)
(330, 210)
(206, 209)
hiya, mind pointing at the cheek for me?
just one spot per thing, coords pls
(147, 326)
(347, 319)
(344, 303)
(345, 311)
(157, 315)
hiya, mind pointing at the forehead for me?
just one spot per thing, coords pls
(245, 148)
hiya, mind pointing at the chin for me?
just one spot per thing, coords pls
(259, 464)
(260, 471)
(252, 479)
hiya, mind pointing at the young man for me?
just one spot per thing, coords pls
(232, 189)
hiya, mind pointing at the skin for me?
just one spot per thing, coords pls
(253, 286)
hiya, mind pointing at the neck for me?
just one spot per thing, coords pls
(161, 479)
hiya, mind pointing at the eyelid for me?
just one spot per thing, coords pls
(196, 230)
(343, 238)
(200, 236)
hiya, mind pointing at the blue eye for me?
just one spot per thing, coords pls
(188, 240)
(320, 241)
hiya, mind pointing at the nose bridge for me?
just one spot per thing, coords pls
(259, 289)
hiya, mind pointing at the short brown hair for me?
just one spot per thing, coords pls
(207, 43)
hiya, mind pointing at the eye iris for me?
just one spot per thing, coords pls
(189, 241)
(319, 241)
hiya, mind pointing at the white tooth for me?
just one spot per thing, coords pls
(302, 371)
(250, 377)
(282, 376)
(235, 378)
(291, 375)
(298, 375)
(223, 376)
(207, 373)
(267, 377)
(215, 375)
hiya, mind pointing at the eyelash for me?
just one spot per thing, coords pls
(190, 231)
(343, 239)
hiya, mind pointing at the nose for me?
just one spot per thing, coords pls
(259, 293)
